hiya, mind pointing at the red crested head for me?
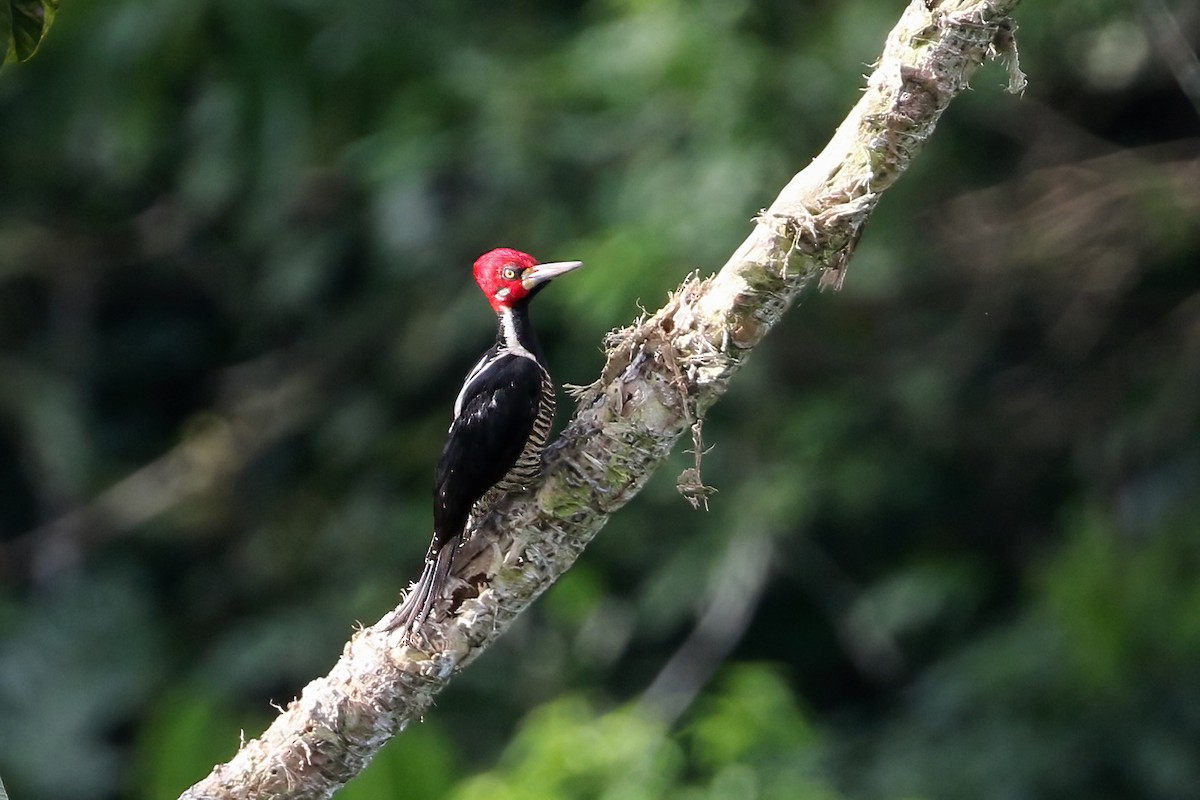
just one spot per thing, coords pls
(508, 276)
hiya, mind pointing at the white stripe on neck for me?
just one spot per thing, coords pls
(511, 343)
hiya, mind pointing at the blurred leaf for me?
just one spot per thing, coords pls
(72, 669)
(751, 709)
(752, 737)
(565, 749)
(188, 731)
(573, 597)
(421, 765)
(915, 600)
(1130, 607)
(747, 740)
(23, 25)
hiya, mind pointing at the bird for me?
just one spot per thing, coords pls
(501, 423)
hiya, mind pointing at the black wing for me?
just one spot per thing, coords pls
(496, 413)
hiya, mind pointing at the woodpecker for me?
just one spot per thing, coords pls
(501, 422)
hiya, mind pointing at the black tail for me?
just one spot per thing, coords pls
(427, 590)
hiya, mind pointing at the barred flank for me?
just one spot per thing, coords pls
(529, 463)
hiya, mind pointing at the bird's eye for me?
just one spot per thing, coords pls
(509, 273)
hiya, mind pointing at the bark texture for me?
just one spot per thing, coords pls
(662, 374)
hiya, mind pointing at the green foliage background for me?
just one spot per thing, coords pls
(974, 470)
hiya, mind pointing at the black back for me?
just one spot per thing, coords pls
(499, 406)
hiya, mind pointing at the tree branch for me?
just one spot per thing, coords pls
(662, 374)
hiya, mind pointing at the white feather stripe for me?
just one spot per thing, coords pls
(480, 366)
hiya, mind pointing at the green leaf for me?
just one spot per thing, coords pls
(420, 765)
(187, 731)
(6, 30)
(24, 24)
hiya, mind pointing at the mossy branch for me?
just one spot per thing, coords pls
(662, 374)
